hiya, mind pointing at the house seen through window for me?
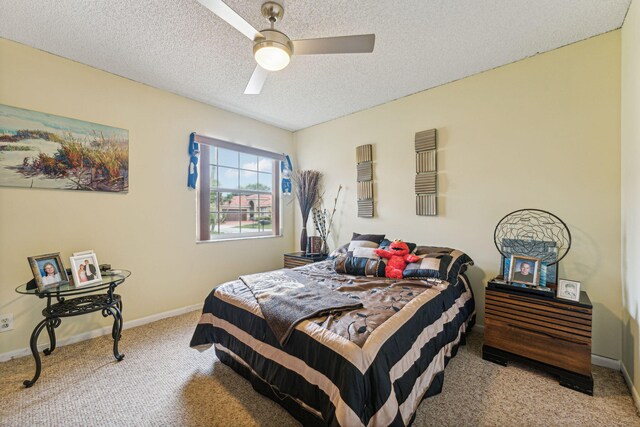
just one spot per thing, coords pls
(238, 192)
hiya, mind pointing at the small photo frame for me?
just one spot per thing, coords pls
(544, 271)
(569, 290)
(314, 245)
(524, 270)
(85, 269)
(90, 251)
(48, 270)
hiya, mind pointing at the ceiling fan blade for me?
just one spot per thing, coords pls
(221, 9)
(346, 44)
(256, 81)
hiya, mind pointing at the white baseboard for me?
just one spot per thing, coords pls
(605, 362)
(632, 389)
(595, 359)
(101, 331)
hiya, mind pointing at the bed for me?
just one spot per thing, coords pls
(369, 366)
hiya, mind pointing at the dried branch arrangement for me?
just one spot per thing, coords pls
(307, 187)
(324, 221)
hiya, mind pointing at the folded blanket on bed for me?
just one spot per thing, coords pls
(287, 297)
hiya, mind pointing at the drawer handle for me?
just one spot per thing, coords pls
(547, 334)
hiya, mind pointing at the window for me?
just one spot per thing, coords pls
(238, 191)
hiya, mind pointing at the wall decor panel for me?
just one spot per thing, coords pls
(426, 184)
(364, 158)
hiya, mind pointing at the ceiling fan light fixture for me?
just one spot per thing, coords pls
(273, 51)
(272, 57)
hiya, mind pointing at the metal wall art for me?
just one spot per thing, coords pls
(426, 184)
(364, 157)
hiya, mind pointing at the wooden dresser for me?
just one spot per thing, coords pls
(297, 259)
(549, 333)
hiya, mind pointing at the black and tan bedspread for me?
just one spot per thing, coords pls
(371, 366)
(287, 297)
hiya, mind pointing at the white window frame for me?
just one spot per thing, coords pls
(204, 190)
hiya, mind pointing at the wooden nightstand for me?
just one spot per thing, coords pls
(297, 259)
(549, 333)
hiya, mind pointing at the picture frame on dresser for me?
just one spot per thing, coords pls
(525, 269)
(568, 289)
(547, 251)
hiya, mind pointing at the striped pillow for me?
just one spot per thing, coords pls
(365, 241)
(360, 260)
(342, 250)
(358, 241)
(439, 263)
(373, 266)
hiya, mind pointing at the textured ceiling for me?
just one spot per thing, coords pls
(180, 46)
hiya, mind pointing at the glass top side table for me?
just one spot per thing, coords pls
(85, 299)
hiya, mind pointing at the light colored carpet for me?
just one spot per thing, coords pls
(163, 382)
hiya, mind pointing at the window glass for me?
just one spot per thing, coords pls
(248, 161)
(249, 180)
(214, 201)
(214, 223)
(213, 155)
(264, 181)
(213, 176)
(265, 164)
(228, 178)
(238, 200)
(227, 158)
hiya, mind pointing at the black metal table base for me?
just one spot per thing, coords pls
(578, 382)
(109, 304)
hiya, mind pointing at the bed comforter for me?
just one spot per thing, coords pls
(366, 367)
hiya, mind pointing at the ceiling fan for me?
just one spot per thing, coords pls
(272, 49)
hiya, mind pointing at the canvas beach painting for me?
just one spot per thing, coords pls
(40, 150)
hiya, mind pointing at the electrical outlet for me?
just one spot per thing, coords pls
(6, 322)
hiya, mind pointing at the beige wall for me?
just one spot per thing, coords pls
(151, 230)
(631, 196)
(543, 132)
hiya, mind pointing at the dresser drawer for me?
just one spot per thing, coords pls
(298, 259)
(548, 306)
(294, 262)
(546, 345)
(540, 314)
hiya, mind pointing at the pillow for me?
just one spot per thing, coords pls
(386, 243)
(439, 263)
(361, 241)
(365, 241)
(339, 251)
(365, 253)
(425, 250)
(360, 266)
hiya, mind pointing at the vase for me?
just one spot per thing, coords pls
(324, 249)
(303, 240)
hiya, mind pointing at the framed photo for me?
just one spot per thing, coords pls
(314, 245)
(524, 270)
(544, 271)
(545, 250)
(90, 251)
(568, 289)
(85, 269)
(48, 270)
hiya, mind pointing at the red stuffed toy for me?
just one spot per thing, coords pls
(398, 256)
